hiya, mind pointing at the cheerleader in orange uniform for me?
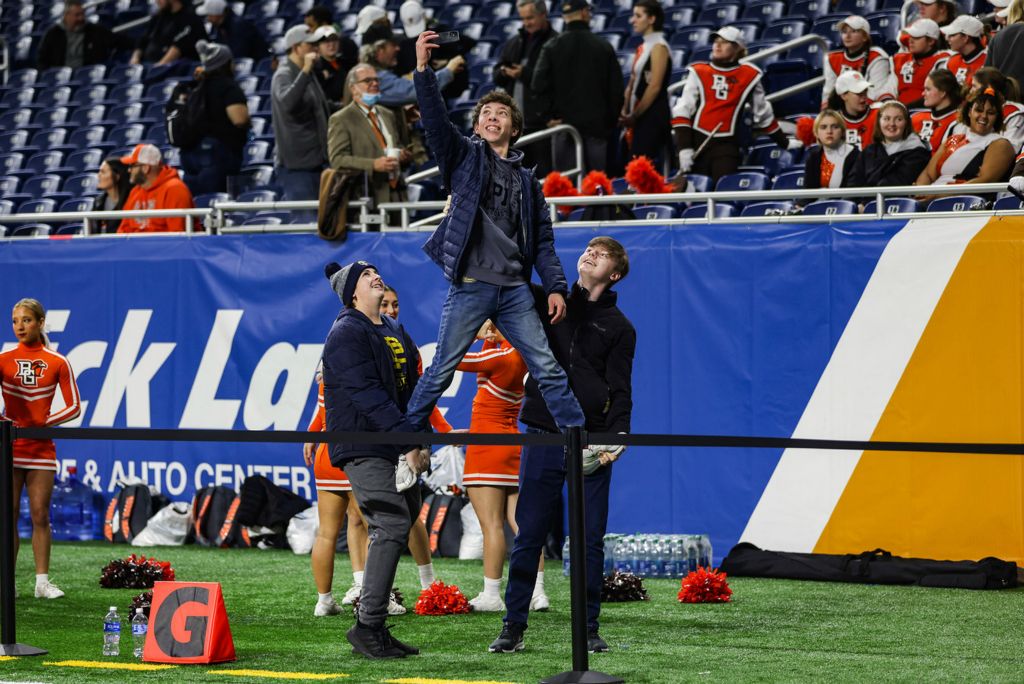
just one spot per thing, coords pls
(30, 375)
(492, 472)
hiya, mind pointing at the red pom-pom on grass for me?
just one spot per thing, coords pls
(704, 586)
(441, 599)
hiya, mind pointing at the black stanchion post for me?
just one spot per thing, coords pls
(581, 671)
(9, 646)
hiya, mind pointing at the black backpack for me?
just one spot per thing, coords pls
(129, 512)
(215, 522)
(442, 515)
(185, 114)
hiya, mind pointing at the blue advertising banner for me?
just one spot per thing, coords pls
(735, 325)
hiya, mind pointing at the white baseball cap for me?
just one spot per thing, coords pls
(851, 82)
(367, 16)
(143, 153)
(731, 34)
(414, 19)
(966, 24)
(325, 32)
(923, 28)
(1001, 4)
(297, 34)
(215, 7)
(855, 22)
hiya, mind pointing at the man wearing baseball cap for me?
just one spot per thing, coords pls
(372, 24)
(226, 28)
(157, 186)
(858, 54)
(964, 35)
(300, 112)
(923, 56)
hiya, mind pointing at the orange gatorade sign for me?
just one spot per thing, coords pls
(188, 624)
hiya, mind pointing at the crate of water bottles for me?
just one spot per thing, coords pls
(656, 556)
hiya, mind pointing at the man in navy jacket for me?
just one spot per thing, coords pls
(369, 374)
(497, 232)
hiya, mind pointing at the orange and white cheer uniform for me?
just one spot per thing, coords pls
(329, 478)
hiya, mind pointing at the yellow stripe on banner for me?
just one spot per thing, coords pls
(103, 665)
(2, 658)
(421, 680)
(271, 674)
(963, 383)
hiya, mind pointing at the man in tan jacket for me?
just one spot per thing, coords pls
(365, 137)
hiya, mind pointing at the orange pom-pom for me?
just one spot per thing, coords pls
(557, 185)
(441, 599)
(704, 586)
(805, 130)
(641, 175)
(597, 183)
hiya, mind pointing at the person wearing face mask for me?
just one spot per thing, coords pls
(364, 137)
(895, 156)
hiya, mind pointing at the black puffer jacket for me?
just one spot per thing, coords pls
(595, 344)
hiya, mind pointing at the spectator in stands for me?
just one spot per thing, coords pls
(300, 112)
(415, 22)
(75, 42)
(858, 54)
(1006, 51)
(942, 12)
(114, 184)
(646, 114)
(347, 52)
(330, 68)
(238, 33)
(830, 163)
(999, 18)
(964, 35)
(364, 138)
(157, 186)
(895, 156)
(580, 76)
(171, 34)
(372, 24)
(980, 154)
(730, 86)
(913, 66)
(219, 153)
(1017, 178)
(396, 91)
(514, 74)
(850, 100)
(1013, 110)
(942, 98)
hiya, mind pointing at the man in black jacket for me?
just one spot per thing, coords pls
(171, 34)
(514, 73)
(580, 74)
(595, 344)
(223, 26)
(75, 42)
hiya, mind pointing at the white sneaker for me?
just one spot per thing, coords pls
(352, 594)
(487, 603)
(540, 602)
(323, 609)
(48, 590)
(394, 607)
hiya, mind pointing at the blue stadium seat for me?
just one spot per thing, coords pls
(575, 215)
(615, 38)
(12, 140)
(257, 177)
(957, 203)
(700, 210)
(720, 14)
(456, 13)
(22, 77)
(54, 116)
(1007, 203)
(472, 29)
(54, 96)
(810, 54)
(503, 30)
(18, 97)
(700, 182)
(91, 73)
(263, 220)
(679, 58)
(790, 180)
(885, 28)
(37, 206)
(620, 186)
(172, 156)
(90, 136)
(701, 54)
(742, 181)
(676, 16)
(77, 204)
(826, 27)
(749, 28)
(129, 93)
(19, 118)
(654, 211)
(248, 84)
(484, 49)
(691, 37)
(893, 205)
(482, 72)
(462, 116)
(258, 196)
(127, 135)
(44, 161)
(85, 160)
(42, 185)
(203, 201)
(90, 94)
(860, 7)
(6, 207)
(87, 115)
(765, 10)
(773, 158)
(81, 184)
(11, 162)
(161, 91)
(766, 208)
(128, 73)
(127, 113)
(784, 29)
(620, 22)
(262, 9)
(9, 185)
(256, 152)
(830, 207)
(30, 230)
(68, 229)
(157, 133)
(786, 73)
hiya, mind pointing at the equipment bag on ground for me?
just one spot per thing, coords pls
(129, 512)
(214, 522)
(441, 514)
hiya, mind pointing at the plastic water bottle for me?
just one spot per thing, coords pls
(678, 561)
(112, 633)
(565, 557)
(663, 556)
(24, 517)
(72, 513)
(641, 556)
(704, 551)
(625, 553)
(140, 625)
(611, 542)
(691, 553)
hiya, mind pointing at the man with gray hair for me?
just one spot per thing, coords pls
(300, 111)
(396, 91)
(514, 74)
(74, 41)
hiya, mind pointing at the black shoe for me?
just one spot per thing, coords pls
(510, 640)
(595, 644)
(405, 648)
(373, 642)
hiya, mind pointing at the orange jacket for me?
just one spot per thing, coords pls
(167, 192)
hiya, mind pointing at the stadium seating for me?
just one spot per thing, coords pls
(830, 207)
(29, 230)
(1008, 202)
(791, 180)
(766, 208)
(654, 211)
(700, 210)
(893, 205)
(957, 203)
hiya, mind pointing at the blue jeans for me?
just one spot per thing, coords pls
(300, 184)
(208, 165)
(511, 308)
(541, 475)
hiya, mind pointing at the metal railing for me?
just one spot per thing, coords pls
(215, 217)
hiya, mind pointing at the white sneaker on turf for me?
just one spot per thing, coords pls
(394, 607)
(48, 590)
(540, 602)
(352, 594)
(487, 603)
(323, 609)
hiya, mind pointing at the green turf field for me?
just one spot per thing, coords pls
(773, 630)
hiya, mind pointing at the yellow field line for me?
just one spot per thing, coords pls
(102, 665)
(271, 674)
(421, 680)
